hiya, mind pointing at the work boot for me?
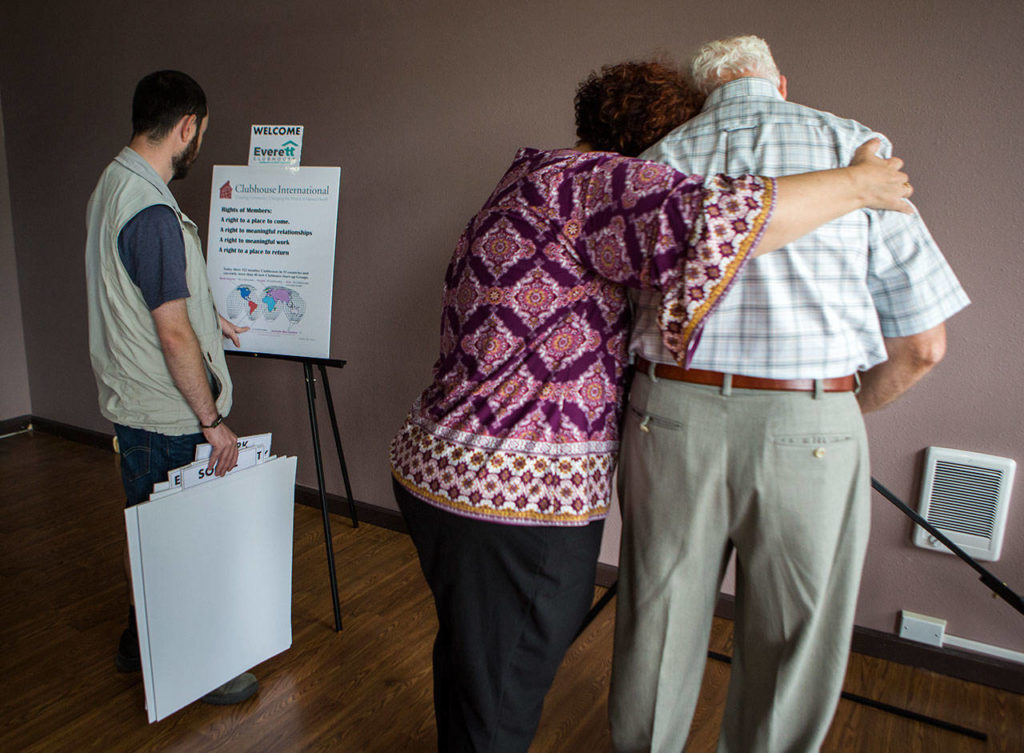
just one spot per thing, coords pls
(240, 689)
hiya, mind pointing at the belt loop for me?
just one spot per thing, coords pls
(652, 367)
(726, 385)
(856, 383)
(819, 389)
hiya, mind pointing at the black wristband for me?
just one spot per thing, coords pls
(216, 422)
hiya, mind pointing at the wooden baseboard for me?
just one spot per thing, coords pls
(14, 425)
(965, 665)
(382, 517)
(606, 575)
(74, 433)
(954, 662)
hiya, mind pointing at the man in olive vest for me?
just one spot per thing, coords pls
(154, 333)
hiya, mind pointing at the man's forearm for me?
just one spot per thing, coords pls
(184, 360)
(910, 358)
(884, 383)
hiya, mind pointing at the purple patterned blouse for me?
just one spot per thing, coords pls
(520, 424)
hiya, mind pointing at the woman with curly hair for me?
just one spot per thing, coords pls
(628, 107)
(503, 468)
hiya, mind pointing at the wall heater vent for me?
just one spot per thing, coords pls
(966, 495)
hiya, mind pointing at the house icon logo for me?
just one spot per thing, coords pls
(289, 143)
(225, 190)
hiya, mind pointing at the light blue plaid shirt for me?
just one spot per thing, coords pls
(821, 306)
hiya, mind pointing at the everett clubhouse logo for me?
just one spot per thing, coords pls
(275, 145)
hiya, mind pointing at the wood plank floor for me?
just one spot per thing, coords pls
(366, 689)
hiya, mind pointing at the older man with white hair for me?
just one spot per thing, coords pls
(759, 447)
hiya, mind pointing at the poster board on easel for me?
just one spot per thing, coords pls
(271, 245)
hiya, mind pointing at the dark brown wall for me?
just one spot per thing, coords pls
(423, 105)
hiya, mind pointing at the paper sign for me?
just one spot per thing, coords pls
(271, 255)
(199, 472)
(262, 440)
(252, 450)
(279, 145)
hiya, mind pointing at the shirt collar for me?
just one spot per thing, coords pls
(132, 160)
(748, 86)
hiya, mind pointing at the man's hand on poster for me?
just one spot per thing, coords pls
(231, 330)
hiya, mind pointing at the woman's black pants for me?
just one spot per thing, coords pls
(509, 600)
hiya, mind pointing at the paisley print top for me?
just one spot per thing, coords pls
(520, 424)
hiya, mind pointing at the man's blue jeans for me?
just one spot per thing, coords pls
(147, 457)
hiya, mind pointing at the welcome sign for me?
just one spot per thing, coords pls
(279, 145)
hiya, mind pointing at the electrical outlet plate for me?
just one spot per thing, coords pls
(922, 628)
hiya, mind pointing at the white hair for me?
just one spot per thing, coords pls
(718, 62)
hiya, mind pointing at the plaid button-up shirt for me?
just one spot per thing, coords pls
(821, 306)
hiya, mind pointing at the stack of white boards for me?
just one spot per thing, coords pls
(211, 562)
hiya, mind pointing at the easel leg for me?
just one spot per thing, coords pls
(328, 542)
(337, 444)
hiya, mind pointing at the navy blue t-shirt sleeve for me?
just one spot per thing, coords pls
(152, 250)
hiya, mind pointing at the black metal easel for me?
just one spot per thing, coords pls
(307, 369)
(998, 588)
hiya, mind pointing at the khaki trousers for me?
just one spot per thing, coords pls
(781, 477)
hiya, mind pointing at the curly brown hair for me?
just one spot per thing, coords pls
(627, 107)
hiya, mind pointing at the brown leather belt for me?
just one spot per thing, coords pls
(740, 382)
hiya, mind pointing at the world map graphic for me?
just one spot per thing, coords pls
(269, 303)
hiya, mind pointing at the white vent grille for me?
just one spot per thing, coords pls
(966, 495)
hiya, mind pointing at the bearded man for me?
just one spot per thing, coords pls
(154, 333)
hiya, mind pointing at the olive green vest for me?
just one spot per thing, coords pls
(135, 386)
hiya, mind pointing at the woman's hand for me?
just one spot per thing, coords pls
(808, 200)
(881, 183)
